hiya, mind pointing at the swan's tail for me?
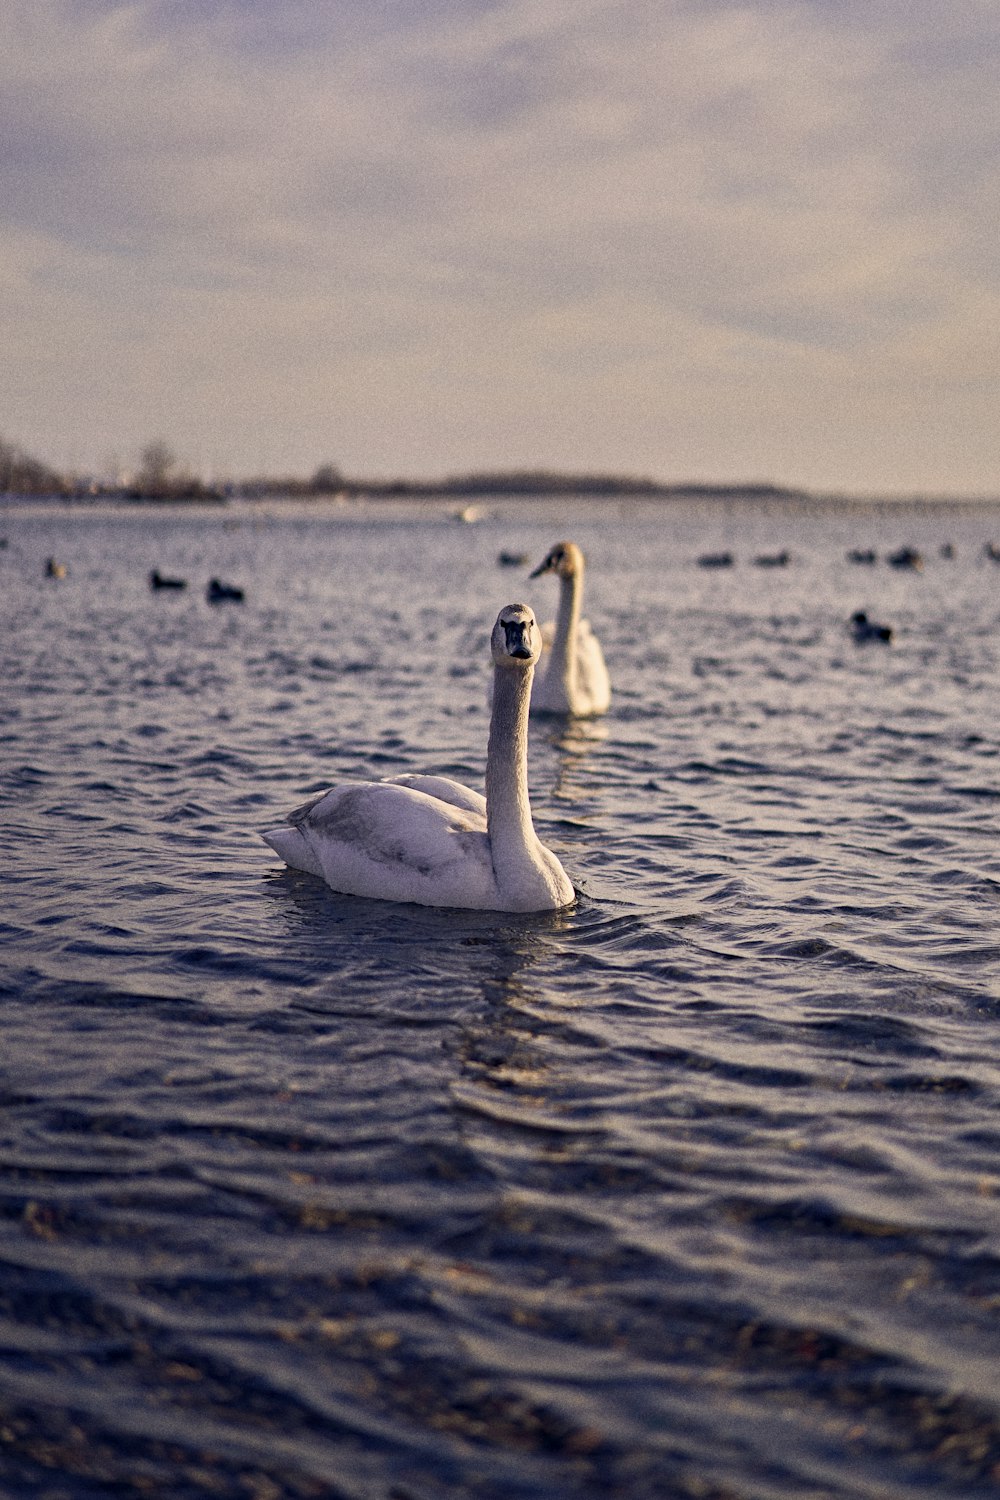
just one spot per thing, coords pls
(287, 840)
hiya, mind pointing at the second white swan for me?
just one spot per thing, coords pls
(572, 676)
(431, 840)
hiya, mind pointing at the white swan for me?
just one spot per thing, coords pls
(429, 839)
(573, 678)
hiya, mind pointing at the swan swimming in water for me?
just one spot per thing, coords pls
(573, 678)
(431, 840)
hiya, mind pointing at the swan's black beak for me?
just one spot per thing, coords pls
(543, 567)
(517, 639)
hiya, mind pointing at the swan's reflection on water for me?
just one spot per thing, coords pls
(456, 999)
(497, 1048)
(571, 743)
(434, 1113)
(414, 952)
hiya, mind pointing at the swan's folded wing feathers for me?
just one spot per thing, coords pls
(445, 790)
(382, 816)
(300, 815)
(398, 843)
(591, 671)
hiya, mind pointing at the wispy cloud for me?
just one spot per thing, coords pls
(690, 239)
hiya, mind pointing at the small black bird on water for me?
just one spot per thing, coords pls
(868, 630)
(158, 581)
(218, 592)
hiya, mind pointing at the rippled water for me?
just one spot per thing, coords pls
(692, 1190)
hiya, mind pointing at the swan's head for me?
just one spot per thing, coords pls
(565, 559)
(516, 640)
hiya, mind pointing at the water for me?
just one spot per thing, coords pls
(692, 1190)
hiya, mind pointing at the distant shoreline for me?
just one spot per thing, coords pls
(513, 486)
(469, 489)
(161, 479)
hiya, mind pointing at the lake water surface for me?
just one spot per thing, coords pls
(690, 1191)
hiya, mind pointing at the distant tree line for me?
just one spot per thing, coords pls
(523, 482)
(515, 482)
(22, 475)
(159, 475)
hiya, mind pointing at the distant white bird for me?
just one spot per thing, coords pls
(572, 677)
(430, 840)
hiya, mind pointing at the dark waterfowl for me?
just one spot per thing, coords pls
(157, 580)
(218, 593)
(55, 569)
(513, 559)
(773, 559)
(864, 629)
(716, 560)
(992, 551)
(907, 557)
(862, 555)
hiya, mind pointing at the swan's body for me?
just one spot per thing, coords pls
(572, 677)
(430, 840)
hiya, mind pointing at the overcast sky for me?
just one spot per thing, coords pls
(683, 238)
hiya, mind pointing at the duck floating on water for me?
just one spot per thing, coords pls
(864, 629)
(158, 580)
(218, 593)
(55, 569)
(907, 557)
(864, 556)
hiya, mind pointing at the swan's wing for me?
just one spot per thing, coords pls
(445, 790)
(593, 686)
(591, 672)
(392, 842)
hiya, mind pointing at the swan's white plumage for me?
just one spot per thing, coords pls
(394, 842)
(446, 790)
(572, 677)
(431, 840)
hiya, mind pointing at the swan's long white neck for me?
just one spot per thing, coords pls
(508, 813)
(562, 661)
